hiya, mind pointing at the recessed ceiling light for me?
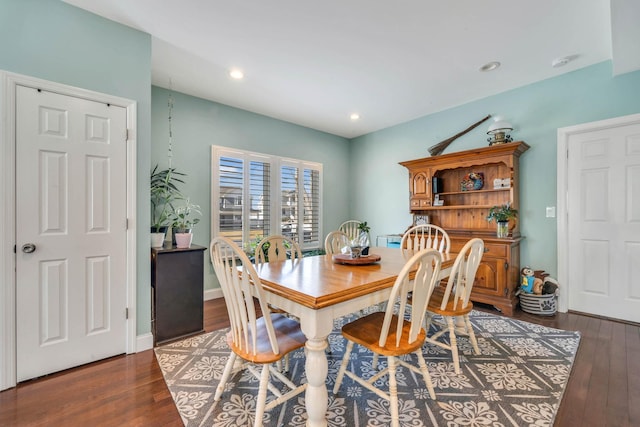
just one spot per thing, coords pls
(354, 117)
(236, 74)
(562, 61)
(490, 66)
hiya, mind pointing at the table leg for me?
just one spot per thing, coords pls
(316, 325)
(316, 396)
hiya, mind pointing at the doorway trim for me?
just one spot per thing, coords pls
(562, 193)
(8, 83)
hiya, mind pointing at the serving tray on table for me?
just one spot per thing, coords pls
(363, 260)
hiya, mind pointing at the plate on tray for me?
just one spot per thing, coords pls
(363, 260)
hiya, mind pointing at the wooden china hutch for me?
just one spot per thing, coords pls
(450, 178)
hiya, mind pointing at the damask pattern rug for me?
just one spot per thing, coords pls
(517, 380)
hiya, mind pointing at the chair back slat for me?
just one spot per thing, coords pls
(350, 228)
(335, 241)
(463, 274)
(240, 284)
(426, 264)
(279, 248)
(426, 236)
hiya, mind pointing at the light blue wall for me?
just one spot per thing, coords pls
(198, 124)
(362, 179)
(379, 185)
(55, 41)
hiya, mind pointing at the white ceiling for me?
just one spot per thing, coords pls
(313, 63)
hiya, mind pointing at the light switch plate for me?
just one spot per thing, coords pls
(551, 211)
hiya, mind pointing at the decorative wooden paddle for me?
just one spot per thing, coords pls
(439, 147)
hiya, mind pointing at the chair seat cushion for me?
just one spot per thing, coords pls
(288, 335)
(366, 332)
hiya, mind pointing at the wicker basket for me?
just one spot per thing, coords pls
(544, 305)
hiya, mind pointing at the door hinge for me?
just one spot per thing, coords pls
(15, 249)
(126, 313)
(126, 135)
(506, 265)
(126, 224)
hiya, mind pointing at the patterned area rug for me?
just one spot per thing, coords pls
(517, 380)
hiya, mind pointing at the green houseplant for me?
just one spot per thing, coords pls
(164, 192)
(184, 217)
(502, 214)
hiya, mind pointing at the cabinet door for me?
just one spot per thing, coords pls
(490, 278)
(420, 190)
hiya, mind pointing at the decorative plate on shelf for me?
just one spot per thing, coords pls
(363, 260)
(472, 181)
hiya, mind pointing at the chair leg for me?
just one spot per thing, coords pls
(225, 376)
(425, 374)
(343, 367)
(262, 395)
(427, 322)
(472, 335)
(454, 344)
(393, 392)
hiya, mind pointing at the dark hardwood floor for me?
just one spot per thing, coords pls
(604, 388)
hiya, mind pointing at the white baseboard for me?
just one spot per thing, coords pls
(212, 294)
(144, 342)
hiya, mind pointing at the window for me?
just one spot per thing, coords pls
(256, 195)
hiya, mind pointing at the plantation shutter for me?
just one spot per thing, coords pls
(255, 195)
(311, 206)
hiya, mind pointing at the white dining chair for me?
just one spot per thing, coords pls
(455, 301)
(276, 248)
(352, 230)
(396, 332)
(253, 340)
(425, 236)
(335, 241)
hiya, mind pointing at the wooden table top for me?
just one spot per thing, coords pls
(317, 281)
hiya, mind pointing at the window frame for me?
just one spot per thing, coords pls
(275, 206)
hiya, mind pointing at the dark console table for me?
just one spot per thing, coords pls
(176, 292)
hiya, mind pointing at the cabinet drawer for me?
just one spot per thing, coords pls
(496, 251)
(493, 250)
(420, 203)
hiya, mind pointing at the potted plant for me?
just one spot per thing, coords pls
(502, 214)
(164, 192)
(183, 219)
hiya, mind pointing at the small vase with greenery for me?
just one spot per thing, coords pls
(502, 214)
(185, 217)
(363, 240)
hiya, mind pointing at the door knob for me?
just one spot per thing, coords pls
(28, 248)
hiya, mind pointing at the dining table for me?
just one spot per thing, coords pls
(317, 290)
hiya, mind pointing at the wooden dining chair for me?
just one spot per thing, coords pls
(276, 248)
(396, 332)
(454, 301)
(335, 241)
(253, 340)
(425, 236)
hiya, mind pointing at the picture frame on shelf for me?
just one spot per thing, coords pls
(420, 219)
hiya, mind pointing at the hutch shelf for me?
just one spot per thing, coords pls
(463, 211)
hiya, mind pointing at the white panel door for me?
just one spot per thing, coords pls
(604, 222)
(70, 231)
